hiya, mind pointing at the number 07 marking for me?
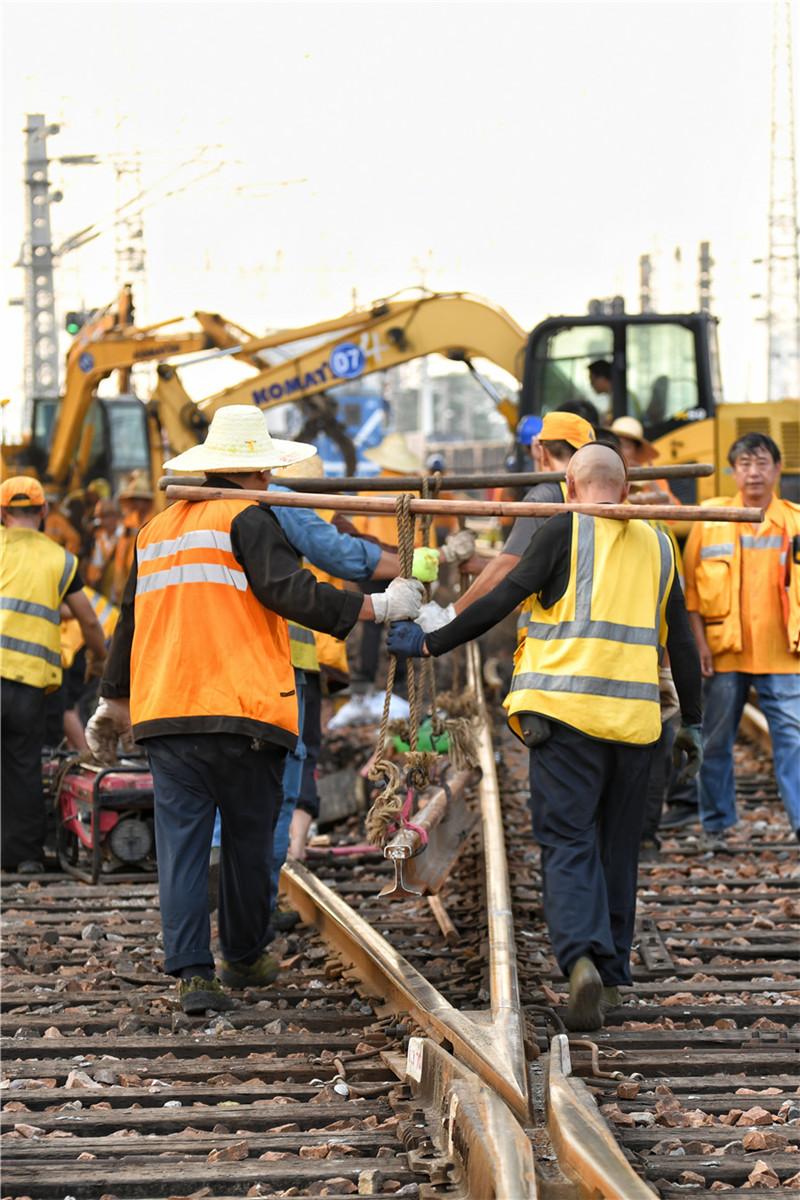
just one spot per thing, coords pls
(347, 360)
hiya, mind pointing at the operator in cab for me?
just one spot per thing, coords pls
(602, 598)
(200, 669)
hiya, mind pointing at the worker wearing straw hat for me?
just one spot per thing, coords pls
(200, 668)
(638, 452)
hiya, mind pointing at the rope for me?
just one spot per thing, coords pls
(387, 808)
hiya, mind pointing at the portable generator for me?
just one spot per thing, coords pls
(104, 818)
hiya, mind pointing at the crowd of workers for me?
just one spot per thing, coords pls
(232, 620)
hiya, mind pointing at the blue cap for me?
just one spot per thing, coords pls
(528, 428)
(435, 462)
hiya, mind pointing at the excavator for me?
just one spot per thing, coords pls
(663, 370)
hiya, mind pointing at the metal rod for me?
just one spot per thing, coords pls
(413, 483)
(472, 508)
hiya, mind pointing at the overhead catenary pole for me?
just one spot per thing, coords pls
(41, 337)
(386, 505)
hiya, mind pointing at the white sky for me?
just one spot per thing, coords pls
(525, 152)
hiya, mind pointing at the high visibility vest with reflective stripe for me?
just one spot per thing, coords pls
(71, 633)
(718, 574)
(35, 573)
(591, 660)
(206, 653)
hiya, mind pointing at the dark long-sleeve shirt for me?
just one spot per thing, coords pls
(544, 569)
(273, 572)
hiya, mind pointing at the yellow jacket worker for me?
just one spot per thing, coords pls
(603, 600)
(743, 596)
(36, 576)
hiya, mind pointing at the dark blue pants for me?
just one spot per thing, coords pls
(192, 777)
(22, 730)
(587, 805)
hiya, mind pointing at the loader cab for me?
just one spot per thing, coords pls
(114, 440)
(661, 369)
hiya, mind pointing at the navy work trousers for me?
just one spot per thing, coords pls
(192, 777)
(587, 805)
(23, 813)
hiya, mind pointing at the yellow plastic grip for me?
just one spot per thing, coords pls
(426, 565)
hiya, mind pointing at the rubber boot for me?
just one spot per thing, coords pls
(584, 1009)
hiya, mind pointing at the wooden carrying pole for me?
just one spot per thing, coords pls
(413, 483)
(386, 505)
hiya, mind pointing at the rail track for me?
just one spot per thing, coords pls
(415, 1048)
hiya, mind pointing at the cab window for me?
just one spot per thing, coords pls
(661, 373)
(564, 369)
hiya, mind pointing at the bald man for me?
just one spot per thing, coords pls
(602, 599)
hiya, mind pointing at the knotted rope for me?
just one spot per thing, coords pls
(387, 811)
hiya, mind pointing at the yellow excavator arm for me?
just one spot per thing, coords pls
(97, 359)
(391, 332)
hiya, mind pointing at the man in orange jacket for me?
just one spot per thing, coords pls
(743, 597)
(200, 667)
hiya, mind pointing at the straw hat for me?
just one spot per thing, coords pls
(136, 487)
(238, 442)
(393, 454)
(630, 428)
(310, 468)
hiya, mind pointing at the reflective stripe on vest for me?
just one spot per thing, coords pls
(575, 650)
(720, 550)
(192, 573)
(35, 573)
(206, 653)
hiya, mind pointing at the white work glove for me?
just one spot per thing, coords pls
(110, 720)
(432, 617)
(458, 547)
(401, 601)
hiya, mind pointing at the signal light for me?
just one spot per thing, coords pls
(75, 321)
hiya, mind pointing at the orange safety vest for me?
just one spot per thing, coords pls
(207, 656)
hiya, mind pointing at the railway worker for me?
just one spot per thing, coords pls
(136, 505)
(107, 531)
(743, 596)
(36, 576)
(200, 667)
(328, 550)
(560, 435)
(603, 597)
(638, 452)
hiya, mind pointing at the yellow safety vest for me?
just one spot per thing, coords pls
(303, 647)
(71, 633)
(591, 660)
(35, 573)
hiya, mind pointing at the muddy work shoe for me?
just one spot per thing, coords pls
(197, 994)
(610, 998)
(249, 975)
(584, 1009)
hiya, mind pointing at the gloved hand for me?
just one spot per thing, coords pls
(401, 600)
(94, 666)
(689, 738)
(406, 639)
(110, 720)
(458, 547)
(426, 564)
(432, 616)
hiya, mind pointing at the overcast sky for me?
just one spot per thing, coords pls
(526, 152)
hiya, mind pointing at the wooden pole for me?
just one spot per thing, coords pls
(385, 505)
(413, 483)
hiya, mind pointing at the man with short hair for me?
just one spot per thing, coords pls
(743, 596)
(602, 598)
(36, 576)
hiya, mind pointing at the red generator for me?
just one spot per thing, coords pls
(104, 818)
